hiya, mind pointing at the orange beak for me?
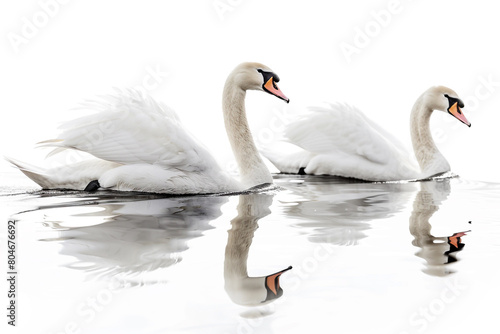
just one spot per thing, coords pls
(273, 282)
(456, 238)
(271, 87)
(456, 112)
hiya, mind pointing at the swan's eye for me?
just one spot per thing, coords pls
(269, 85)
(453, 100)
(270, 75)
(266, 75)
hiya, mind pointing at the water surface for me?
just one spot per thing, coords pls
(418, 257)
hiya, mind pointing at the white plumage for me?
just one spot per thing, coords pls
(340, 140)
(137, 144)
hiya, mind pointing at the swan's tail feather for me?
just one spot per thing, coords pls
(286, 163)
(57, 143)
(73, 176)
(55, 151)
(49, 142)
(37, 174)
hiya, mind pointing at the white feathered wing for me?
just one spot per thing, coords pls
(340, 140)
(144, 148)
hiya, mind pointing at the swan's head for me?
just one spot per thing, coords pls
(254, 291)
(445, 99)
(256, 76)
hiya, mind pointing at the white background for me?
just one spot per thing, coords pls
(85, 48)
(80, 49)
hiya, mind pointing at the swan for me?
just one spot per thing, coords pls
(137, 144)
(342, 141)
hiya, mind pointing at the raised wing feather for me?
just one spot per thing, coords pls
(131, 128)
(343, 128)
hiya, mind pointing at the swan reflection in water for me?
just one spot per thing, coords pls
(127, 236)
(340, 210)
(436, 251)
(241, 288)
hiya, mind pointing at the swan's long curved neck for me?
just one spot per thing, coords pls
(253, 171)
(251, 208)
(240, 238)
(429, 158)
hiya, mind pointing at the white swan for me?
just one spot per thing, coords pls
(138, 144)
(342, 141)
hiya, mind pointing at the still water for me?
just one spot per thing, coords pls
(419, 257)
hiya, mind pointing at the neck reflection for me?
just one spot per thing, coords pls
(241, 288)
(438, 252)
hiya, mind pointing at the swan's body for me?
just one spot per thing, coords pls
(341, 140)
(138, 144)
